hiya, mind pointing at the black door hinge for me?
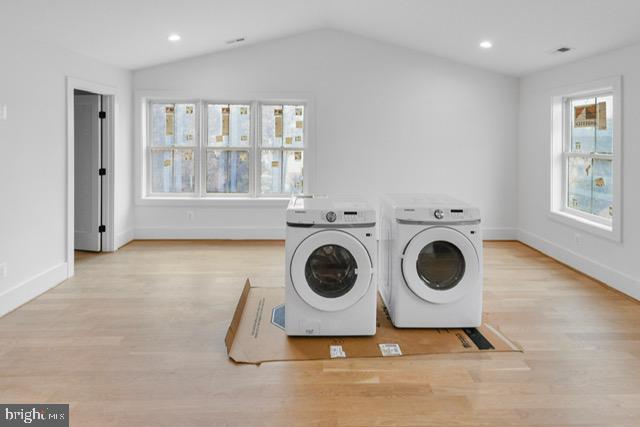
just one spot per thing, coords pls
(102, 171)
(102, 115)
(102, 229)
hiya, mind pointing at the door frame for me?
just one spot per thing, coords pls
(108, 155)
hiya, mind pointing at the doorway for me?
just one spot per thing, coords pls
(87, 118)
(91, 123)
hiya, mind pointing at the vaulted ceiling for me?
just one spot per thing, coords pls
(133, 33)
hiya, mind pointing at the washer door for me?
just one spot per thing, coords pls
(331, 270)
(440, 265)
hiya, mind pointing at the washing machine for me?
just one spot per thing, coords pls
(331, 252)
(430, 264)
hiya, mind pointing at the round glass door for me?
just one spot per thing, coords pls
(331, 271)
(440, 265)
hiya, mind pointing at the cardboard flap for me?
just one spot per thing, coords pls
(235, 321)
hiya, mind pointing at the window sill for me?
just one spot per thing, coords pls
(218, 202)
(584, 224)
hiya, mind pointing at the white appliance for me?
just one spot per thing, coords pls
(330, 266)
(430, 265)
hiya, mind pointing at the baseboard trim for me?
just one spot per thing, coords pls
(210, 233)
(24, 292)
(124, 237)
(499, 234)
(613, 278)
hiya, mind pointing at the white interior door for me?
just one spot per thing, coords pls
(87, 156)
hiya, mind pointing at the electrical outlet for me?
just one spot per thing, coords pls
(3, 269)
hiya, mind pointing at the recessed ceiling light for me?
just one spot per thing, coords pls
(174, 37)
(486, 44)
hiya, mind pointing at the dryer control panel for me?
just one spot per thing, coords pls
(438, 214)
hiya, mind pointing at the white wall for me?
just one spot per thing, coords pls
(614, 263)
(33, 176)
(389, 119)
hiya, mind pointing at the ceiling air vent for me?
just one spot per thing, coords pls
(233, 41)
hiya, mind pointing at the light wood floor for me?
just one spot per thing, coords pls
(137, 338)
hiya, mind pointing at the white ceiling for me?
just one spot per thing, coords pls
(133, 33)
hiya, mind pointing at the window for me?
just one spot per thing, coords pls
(586, 158)
(245, 149)
(173, 147)
(589, 155)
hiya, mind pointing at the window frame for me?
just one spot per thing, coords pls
(259, 148)
(205, 148)
(559, 208)
(149, 148)
(200, 196)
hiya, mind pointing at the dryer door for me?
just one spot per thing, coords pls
(440, 264)
(331, 270)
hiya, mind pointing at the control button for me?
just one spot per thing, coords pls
(439, 213)
(331, 216)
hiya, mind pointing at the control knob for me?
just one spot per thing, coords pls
(439, 213)
(331, 216)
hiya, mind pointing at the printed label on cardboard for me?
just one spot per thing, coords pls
(390, 350)
(219, 138)
(297, 155)
(189, 109)
(299, 124)
(298, 111)
(275, 164)
(167, 163)
(288, 140)
(335, 351)
(244, 110)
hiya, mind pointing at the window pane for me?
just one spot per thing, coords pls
(218, 124)
(161, 171)
(227, 171)
(162, 124)
(293, 177)
(240, 126)
(271, 178)
(602, 204)
(293, 126)
(183, 171)
(579, 177)
(185, 124)
(172, 171)
(272, 125)
(604, 128)
(583, 125)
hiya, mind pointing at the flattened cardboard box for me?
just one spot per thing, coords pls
(256, 334)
